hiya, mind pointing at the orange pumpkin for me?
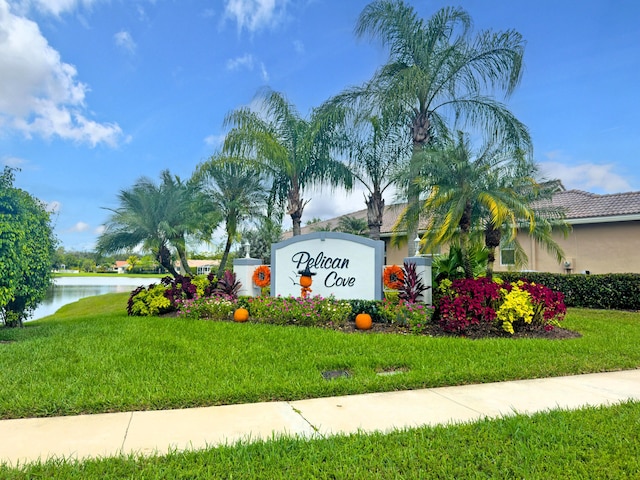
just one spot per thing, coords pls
(305, 281)
(363, 321)
(241, 315)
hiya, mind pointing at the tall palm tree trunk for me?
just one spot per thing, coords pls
(164, 258)
(182, 253)
(492, 237)
(375, 212)
(420, 134)
(225, 256)
(465, 229)
(295, 207)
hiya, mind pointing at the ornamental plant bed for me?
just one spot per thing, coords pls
(468, 308)
(435, 330)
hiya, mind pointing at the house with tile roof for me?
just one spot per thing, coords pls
(198, 267)
(121, 266)
(605, 236)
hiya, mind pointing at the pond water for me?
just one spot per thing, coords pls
(71, 289)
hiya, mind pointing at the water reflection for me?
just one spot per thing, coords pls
(71, 289)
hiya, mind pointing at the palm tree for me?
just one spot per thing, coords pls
(491, 194)
(179, 215)
(293, 152)
(438, 75)
(377, 149)
(547, 219)
(265, 232)
(156, 217)
(233, 188)
(353, 225)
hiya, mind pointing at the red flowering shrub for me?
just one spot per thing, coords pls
(468, 302)
(464, 303)
(548, 304)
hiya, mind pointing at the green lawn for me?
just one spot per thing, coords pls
(90, 357)
(592, 443)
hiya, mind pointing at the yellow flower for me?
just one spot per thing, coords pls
(516, 306)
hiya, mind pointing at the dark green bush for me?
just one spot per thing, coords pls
(372, 307)
(617, 291)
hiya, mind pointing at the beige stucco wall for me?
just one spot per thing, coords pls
(612, 247)
(394, 255)
(596, 247)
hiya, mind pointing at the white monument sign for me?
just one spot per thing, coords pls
(343, 265)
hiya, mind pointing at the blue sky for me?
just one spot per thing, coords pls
(97, 93)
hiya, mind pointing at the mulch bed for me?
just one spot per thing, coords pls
(435, 330)
(472, 333)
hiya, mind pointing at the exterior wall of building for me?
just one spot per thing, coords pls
(612, 247)
(394, 255)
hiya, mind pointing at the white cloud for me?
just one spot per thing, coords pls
(326, 203)
(142, 14)
(263, 72)
(79, 227)
(214, 140)
(99, 230)
(39, 93)
(248, 62)
(54, 206)
(245, 61)
(125, 41)
(298, 46)
(589, 177)
(14, 162)
(53, 7)
(255, 15)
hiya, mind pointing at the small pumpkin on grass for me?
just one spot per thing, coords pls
(363, 321)
(241, 315)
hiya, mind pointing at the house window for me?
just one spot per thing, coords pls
(507, 256)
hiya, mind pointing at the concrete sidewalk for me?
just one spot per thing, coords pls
(148, 432)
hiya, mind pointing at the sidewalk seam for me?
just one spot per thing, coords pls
(452, 399)
(315, 429)
(126, 432)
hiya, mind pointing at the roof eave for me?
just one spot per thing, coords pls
(607, 219)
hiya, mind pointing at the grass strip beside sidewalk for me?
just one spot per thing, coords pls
(599, 442)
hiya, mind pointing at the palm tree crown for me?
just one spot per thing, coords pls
(490, 193)
(378, 150)
(233, 189)
(293, 152)
(439, 75)
(155, 217)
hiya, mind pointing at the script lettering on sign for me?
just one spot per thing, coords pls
(321, 261)
(344, 266)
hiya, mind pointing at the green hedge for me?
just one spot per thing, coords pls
(618, 291)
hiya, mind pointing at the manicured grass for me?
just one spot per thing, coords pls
(591, 443)
(91, 357)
